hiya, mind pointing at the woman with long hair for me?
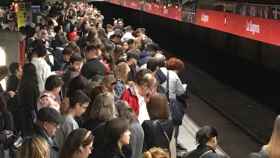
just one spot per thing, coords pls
(156, 153)
(116, 138)
(159, 130)
(34, 147)
(121, 70)
(78, 144)
(97, 115)
(271, 150)
(28, 96)
(137, 133)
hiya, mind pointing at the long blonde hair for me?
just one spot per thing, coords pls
(274, 143)
(155, 153)
(35, 147)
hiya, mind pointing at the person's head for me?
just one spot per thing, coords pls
(93, 51)
(121, 71)
(15, 69)
(54, 84)
(34, 147)
(207, 135)
(117, 133)
(161, 59)
(44, 35)
(125, 111)
(125, 46)
(78, 144)
(273, 145)
(76, 62)
(175, 64)
(145, 81)
(79, 102)
(158, 107)
(153, 64)
(116, 37)
(109, 82)
(132, 58)
(77, 83)
(72, 36)
(109, 28)
(118, 52)
(67, 52)
(156, 152)
(102, 108)
(40, 50)
(131, 44)
(49, 120)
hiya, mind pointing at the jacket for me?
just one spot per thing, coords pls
(176, 87)
(97, 129)
(154, 133)
(113, 152)
(129, 95)
(203, 151)
(137, 103)
(6, 121)
(136, 139)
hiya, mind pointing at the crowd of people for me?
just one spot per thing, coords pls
(88, 91)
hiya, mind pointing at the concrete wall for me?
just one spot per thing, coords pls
(9, 41)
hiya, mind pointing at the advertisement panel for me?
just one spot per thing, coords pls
(265, 30)
(254, 27)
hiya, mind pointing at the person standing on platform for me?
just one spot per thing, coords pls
(207, 141)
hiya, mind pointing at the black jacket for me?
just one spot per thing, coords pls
(6, 121)
(112, 152)
(12, 83)
(6, 124)
(98, 131)
(203, 151)
(154, 133)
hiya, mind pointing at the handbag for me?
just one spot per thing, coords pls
(177, 106)
(172, 142)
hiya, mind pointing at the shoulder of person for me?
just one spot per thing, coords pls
(260, 154)
(211, 155)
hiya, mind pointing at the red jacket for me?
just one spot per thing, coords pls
(129, 95)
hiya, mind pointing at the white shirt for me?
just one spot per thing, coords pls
(176, 87)
(127, 36)
(43, 71)
(143, 112)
